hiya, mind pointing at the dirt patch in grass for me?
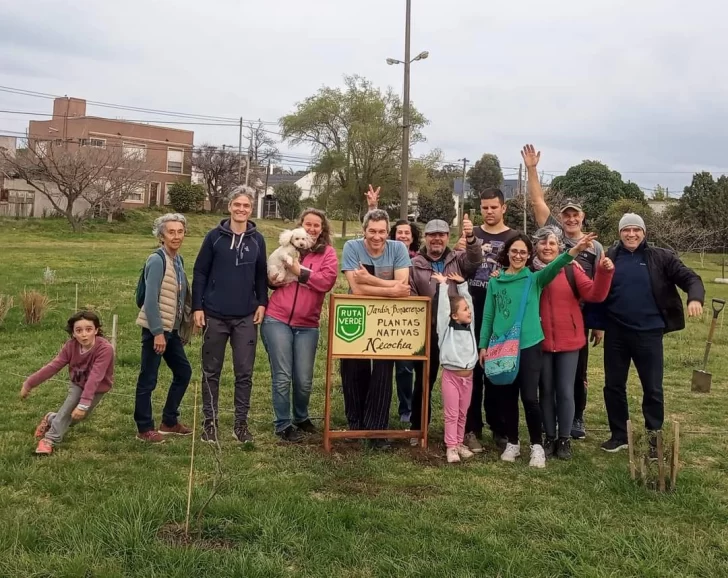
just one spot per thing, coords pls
(173, 534)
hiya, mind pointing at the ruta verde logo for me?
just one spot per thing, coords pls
(350, 322)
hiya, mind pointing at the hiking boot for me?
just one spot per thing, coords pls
(150, 437)
(652, 452)
(43, 426)
(473, 443)
(511, 452)
(464, 452)
(290, 434)
(209, 433)
(45, 447)
(178, 429)
(500, 441)
(538, 457)
(452, 456)
(613, 445)
(306, 426)
(577, 429)
(242, 433)
(563, 449)
(549, 447)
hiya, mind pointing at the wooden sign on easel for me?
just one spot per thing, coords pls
(378, 328)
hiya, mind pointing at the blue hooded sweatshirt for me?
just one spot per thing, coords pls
(230, 278)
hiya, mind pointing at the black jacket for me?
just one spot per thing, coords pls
(667, 273)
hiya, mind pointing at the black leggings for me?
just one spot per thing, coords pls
(526, 383)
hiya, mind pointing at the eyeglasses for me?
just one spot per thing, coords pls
(517, 253)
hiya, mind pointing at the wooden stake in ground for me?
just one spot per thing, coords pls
(674, 462)
(192, 463)
(76, 308)
(114, 323)
(630, 445)
(660, 463)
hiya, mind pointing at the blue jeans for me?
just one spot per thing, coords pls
(404, 374)
(292, 353)
(176, 359)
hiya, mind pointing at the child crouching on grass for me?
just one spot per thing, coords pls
(458, 356)
(90, 361)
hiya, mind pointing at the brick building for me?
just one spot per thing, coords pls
(167, 151)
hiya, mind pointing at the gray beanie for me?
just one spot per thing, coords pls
(631, 220)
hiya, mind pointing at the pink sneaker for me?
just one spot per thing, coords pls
(43, 426)
(151, 437)
(45, 447)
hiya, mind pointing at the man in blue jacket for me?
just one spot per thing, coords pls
(229, 297)
(643, 304)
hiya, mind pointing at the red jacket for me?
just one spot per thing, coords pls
(561, 317)
(299, 304)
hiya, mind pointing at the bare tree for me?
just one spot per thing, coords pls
(102, 177)
(683, 237)
(220, 168)
(262, 145)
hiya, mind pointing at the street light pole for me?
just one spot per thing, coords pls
(404, 199)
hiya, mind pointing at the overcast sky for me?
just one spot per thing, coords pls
(638, 84)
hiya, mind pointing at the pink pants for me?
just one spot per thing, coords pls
(456, 391)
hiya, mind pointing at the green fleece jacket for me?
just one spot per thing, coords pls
(504, 298)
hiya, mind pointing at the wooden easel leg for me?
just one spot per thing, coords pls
(630, 445)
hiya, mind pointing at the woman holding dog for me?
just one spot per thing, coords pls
(290, 329)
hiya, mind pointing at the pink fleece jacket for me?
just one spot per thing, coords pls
(92, 371)
(299, 304)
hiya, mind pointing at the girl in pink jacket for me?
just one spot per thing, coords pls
(90, 361)
(290, 329)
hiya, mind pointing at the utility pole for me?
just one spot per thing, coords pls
(240, 151)
(461, 204)
(404, 200)
(525, 198)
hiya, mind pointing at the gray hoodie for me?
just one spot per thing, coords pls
(458, 347)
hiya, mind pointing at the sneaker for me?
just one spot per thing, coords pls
(43, 426)
(473, 443)
(464, 452)
(414, 442)
(500, 441)
(242, 433)
(538, 457)
(577, 429)
(209, 434)
(306, 426)
(549, 447)
(290, 434)
(177, 430)
(511, 452)
(453, 457)
(563, 449)
(613, 445)
(150, 437)
(45, 447)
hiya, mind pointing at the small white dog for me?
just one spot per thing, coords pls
(291, 242)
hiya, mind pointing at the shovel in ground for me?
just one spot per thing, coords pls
(701, 378)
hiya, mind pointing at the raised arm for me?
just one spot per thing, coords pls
(597, 290)
(443, 306)
(535, 192)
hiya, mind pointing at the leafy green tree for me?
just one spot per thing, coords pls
(186, 197)
(704, 204)
(356, 137)
(609, 224)
(659, 194)
(437, 205)
(485, 173)
(288, 196)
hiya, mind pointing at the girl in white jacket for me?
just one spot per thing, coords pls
(458, 356)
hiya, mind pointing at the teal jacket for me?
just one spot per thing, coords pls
(504, 298)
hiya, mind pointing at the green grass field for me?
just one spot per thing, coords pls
(105, 505)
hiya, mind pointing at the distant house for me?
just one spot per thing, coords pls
(267, 204)
(167, 152)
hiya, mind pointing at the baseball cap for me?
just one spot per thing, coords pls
(437, 226)
(570, 204)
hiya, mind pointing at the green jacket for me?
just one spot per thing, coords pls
(504, 298)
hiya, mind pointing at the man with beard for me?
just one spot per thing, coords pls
(436, 257)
